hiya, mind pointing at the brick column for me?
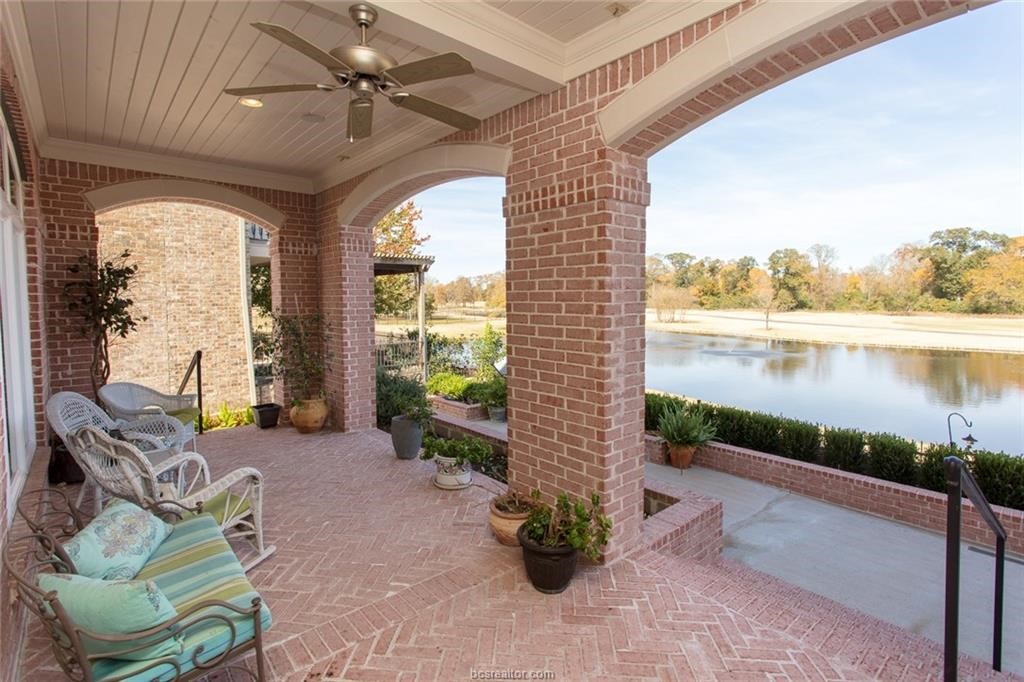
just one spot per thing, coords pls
(575, 269)
(347, 303)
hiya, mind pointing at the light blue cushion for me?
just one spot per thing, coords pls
(117, 543)
(114, 607)
(194, 565)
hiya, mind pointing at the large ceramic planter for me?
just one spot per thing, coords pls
(681, 456)
(451, 475)
(550, 569)
(497, 414)
(406, 437)
(308, 416)
(505, 525)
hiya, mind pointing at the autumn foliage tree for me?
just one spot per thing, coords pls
(396, 235)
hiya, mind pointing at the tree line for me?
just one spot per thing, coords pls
(958, 270)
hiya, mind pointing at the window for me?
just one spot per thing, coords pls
(15, 353)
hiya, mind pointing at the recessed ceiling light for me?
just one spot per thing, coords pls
(251, 102)
(312, 118)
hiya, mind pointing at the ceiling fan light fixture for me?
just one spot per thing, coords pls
(251, 102)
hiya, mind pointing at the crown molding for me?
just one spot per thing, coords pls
(13, 17)
(641, 26)
(84, 152)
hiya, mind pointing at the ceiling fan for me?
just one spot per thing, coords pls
(366, 72)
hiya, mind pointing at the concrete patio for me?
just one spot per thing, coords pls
(381, 576)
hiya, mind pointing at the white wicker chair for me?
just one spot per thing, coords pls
(235, 500)
(161, 438)
(126, 400)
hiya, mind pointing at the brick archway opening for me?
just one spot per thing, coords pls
(191, 293)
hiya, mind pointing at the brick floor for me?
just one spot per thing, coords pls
(381, 576)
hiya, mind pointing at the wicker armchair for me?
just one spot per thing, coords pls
(129, 401)
(161, 439)
(119, 468)
(214, 633)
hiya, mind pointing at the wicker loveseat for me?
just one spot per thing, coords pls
(219, 615)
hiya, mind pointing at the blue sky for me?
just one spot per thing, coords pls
(880, 148)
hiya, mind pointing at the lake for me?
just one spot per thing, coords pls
(897, 390)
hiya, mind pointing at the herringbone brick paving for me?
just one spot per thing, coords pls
(380, 576)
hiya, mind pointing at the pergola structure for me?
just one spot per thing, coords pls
(416, 266)
(114, 103)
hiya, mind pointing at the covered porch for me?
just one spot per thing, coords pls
(379, 575)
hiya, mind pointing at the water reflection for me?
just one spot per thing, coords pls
(901, 390)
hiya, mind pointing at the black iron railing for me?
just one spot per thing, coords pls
(959, 481)
(196, 365)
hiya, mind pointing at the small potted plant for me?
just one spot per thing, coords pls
(455, 458)
(553, 537)
(685, 431)
(408, 426)
(298, 346)
(508, 512)
(495, 398)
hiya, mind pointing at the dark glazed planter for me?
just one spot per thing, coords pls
(550, 569)
(406, 437)
(497, 414)
(266, 414)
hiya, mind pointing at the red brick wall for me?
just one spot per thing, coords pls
(189, 289)
(71, 230)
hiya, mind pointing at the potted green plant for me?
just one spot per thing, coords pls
(455, 458)
(495, 398)
(408, 426)
(508, 512)
(553, 537)
(685, 430)
(298, 346)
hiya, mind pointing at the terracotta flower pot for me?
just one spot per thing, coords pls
(681, 456)
(504, 525)
(309, 416)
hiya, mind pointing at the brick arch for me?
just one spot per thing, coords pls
(736, 59)
(392, 183)
(151, 190)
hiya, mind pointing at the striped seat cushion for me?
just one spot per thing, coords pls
(194, 564)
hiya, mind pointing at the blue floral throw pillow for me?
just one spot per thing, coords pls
(115, 607)
(117, 543)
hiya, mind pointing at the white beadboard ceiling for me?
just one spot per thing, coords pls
(141, 80)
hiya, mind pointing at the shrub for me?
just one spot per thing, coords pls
(844, 449)
(799, 440)
(449, 385)
(475, 392)
(486, 350)
(1000, 477)
(654, 405)
(754, 430)
(494, 393)
(395, 394)
(892, 458)
(931, 474)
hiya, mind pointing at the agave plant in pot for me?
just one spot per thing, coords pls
(299, 353)
(553, 537)
(455, 458)
(685, 430)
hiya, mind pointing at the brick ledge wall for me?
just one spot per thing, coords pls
(907, 504)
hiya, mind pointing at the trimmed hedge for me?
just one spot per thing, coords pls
(1000, 476)
(448, 385)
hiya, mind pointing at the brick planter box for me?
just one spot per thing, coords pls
(681, 522)
(455, 408)
(908, 504)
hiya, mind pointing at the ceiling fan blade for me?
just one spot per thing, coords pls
(270, 89)
(302, 45)
(439, 66)
(360, 118)
(438, 112)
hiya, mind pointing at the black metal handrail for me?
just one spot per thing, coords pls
(195, 365)
(959, 480)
